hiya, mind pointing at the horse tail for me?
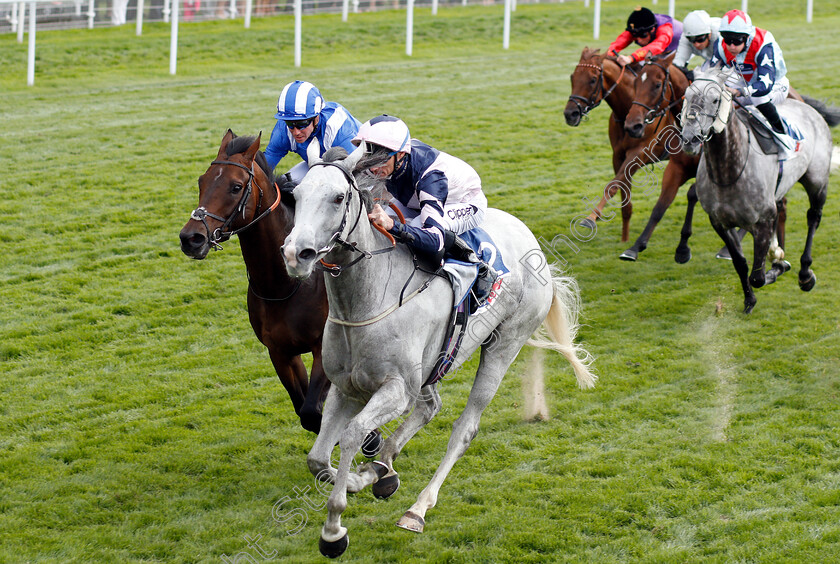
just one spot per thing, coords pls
(831, 114)
(560, 327)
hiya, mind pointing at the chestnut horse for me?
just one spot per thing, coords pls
(599, 77)
(658, 94)
(238, 195)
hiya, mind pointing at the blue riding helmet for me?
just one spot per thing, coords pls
(299, 100)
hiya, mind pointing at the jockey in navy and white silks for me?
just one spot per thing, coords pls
(304, 118)
(654, 33)
(439, 195)
(759, 79)
(434, 190)
(700, 33)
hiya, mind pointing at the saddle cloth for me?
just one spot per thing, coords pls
(762, 131)
(464, 274)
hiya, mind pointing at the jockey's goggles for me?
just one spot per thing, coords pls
(378, 150)
(639, 33)
(733, 38)
(300, 124)
(698, 38)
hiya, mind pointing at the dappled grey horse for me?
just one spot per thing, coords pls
(739, 186)
(386, 327)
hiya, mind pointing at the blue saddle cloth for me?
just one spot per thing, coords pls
(463, 274)
(486, 250)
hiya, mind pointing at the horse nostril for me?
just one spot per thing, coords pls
(307, 254)
(192, 240)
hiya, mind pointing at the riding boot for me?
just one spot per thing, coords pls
(285, 183)
(458, 249)
(787, 146)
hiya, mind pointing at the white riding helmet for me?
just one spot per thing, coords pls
(697, 23)
(736, 21)
(386, 131)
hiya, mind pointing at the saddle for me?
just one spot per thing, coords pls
(762, 132)
(463, 276)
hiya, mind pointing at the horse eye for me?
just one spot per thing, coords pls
(236, 188)
(716, 101)
(338, 199)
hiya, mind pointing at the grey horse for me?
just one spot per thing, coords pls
(386, 327)
(739, 186)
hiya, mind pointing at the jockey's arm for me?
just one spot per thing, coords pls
(432, 190)
(278, 146)
(664, 35)
(623, 40)
(765, 74)
(684, 53)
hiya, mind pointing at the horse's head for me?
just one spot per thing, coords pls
(230, 195)
(653, 92)
(706, 108)
(587, 86)
(329, 207)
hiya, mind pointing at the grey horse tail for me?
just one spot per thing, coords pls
(831, 114)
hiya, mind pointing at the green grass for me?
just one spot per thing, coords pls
(141, 420)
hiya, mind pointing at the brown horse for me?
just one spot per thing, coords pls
(596, 78)
(238, 195)
(659, 90)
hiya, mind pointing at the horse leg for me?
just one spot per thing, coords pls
(673, 177)
(425, 408)
(619, 159)
(762, 233)
(385, 405)
(492, 367)
(816, 196)
(723, 253)
(683, 252)
(292, 374)
(780, 225)
(316, 393)
(739, 261)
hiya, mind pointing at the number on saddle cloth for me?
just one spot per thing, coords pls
(464, 274)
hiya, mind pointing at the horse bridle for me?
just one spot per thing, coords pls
(593, 101)
(658, 111)
(220, 234)
(337, 239)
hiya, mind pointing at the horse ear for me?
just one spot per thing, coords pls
(313, 152)
(252, 150)
(669, 58)
(229, 136)
(353, 158)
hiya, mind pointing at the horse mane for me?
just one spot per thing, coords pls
(241, 144)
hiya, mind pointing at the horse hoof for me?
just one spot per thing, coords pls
(748, 306)
(411, 522)
(723, 254)
(373, 444)
(782, 266)
(333, 549)
(588, 223)
(385, 487)
(629, 254)
(682, 256)
(809, 284)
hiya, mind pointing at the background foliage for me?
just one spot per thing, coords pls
(140, 419)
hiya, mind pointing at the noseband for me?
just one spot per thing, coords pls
(220, 234)
(336, 239)
(594, 99)
(657, 110)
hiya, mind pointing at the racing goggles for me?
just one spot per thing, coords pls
(698, 38)
(639, 33)
(733, 38)
(300, 124)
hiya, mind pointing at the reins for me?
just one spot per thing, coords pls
(657, 111)
(220, 234)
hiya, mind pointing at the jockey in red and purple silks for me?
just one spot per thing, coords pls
(654, 33)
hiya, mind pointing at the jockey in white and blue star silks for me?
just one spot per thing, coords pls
(760, 79)
(303, 118)
(434, 190)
